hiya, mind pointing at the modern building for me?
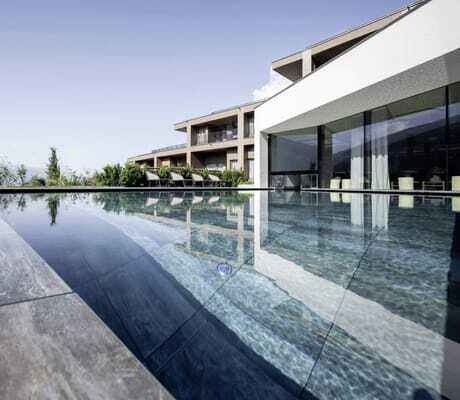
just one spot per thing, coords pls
(377, 107)
(222, 139)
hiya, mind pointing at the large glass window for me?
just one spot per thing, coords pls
(295, 151)
(454, 134)
(407, 140)
(342, 153)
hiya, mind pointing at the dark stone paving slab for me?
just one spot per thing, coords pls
(57, 348)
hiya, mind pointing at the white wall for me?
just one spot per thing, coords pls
(417, 53)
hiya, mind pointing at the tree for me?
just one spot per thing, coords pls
(53, 170)
(110, 175)
(22, 174)
(132, 175)
(7, 176)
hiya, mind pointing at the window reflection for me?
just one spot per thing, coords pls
(454, 135)
(342, 153)
(408, 141)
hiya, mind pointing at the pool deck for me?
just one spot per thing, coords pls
(52, 345)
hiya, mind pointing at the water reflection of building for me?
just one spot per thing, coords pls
(217, 225)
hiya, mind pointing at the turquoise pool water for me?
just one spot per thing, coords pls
(276, 295)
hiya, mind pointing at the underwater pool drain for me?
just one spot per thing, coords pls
(224, 269)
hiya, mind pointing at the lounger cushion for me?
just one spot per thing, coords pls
(151, 176)
(176, 177)
(197, 178)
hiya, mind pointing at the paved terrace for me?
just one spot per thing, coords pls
(52, 345)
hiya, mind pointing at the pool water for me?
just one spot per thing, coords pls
(271, 295)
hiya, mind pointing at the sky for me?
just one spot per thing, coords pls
(102, 80)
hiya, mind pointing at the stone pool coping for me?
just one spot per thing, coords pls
(80, 189)
(52, 344)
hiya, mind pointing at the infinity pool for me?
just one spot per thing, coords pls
(277, 295)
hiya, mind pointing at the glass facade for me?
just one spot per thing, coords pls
(454, 131)
(409, 144)
(291, 155)
(408, 140)
(342, 152)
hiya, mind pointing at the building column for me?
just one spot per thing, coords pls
(261, 173)
(240, 140)
(155, 162)
(188, 154)
(307, 62)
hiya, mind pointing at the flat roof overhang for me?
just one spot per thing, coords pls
(141, 157)
(291, 65)
(217, 115)
(417, 53)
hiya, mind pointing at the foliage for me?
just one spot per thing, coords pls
(71, 179)
(204, 173)
(110, 175)
(132, 175)
(233, 176)
(53, 170)
(186, 172)
(7, 176)
(37, 181)
(53, 207)
(21, 173)
(163, 172)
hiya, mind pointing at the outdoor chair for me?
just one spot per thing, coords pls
(335, 183)
(456, 183)
(406, 183)
(197, 180)
(435, 182)
(346, 184)
(215, 180)
(152, 178)
(177, 179)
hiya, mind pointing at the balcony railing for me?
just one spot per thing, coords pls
(215, 137)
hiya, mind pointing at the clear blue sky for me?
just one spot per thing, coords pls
(105, 79)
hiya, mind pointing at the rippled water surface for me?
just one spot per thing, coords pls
(275, 295)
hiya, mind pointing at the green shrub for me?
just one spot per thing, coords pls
(132, 175)
(186, 172)
(110, 175)
(37, 181)
(233, 176)
(204, 173)
(163, 172)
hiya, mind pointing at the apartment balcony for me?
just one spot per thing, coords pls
(214, 137)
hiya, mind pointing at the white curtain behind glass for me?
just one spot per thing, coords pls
(379, 153)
